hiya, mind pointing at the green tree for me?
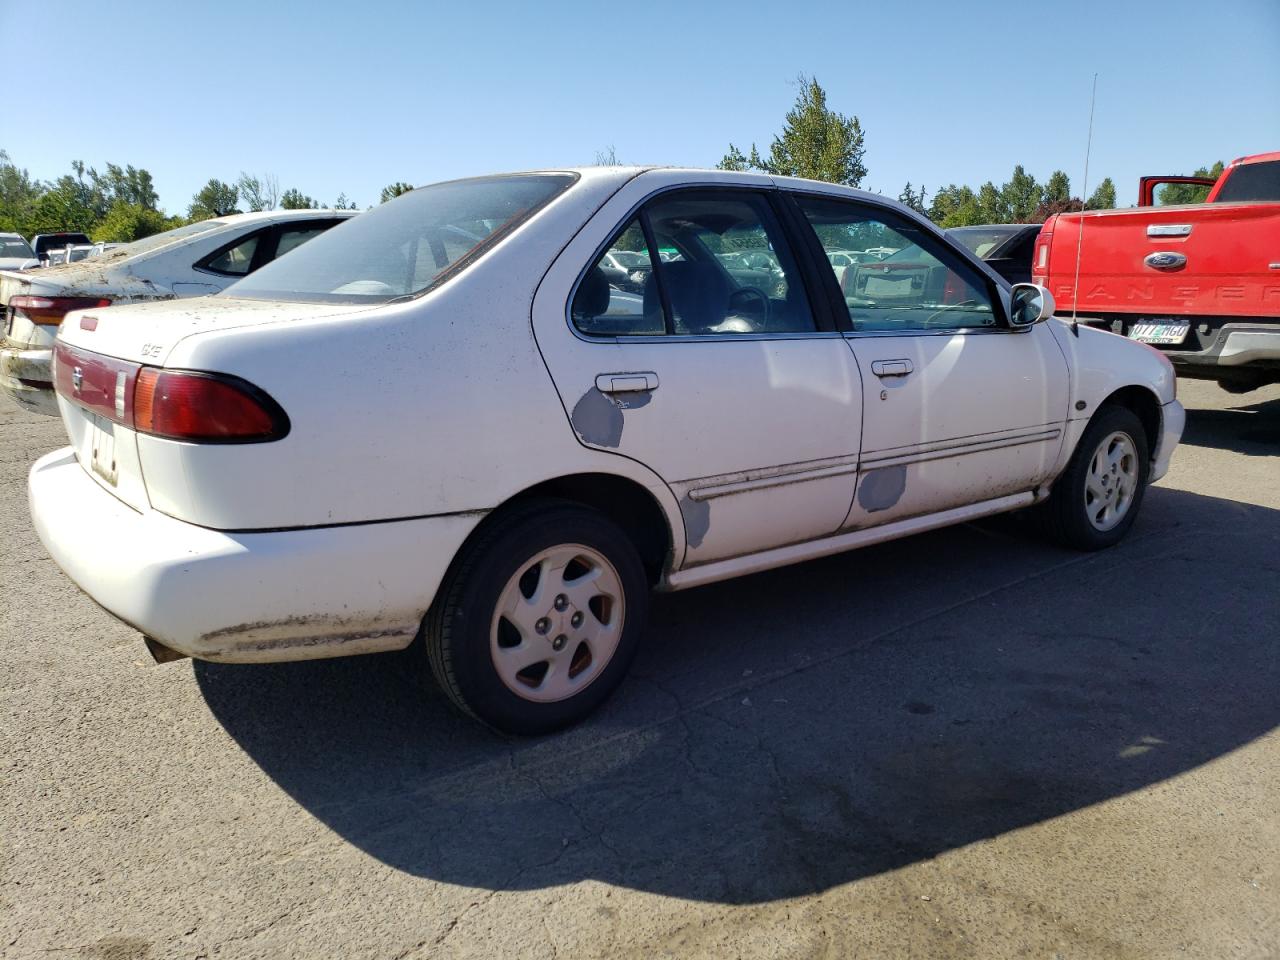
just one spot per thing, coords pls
(393, 190)
(18, 196)
(992, 207)
(735, 159)
(913, 199)
(126, 185)
(296, 200)
(1058, 188)
(1104, 198)
(258, 193)
(1188, 192)
(126, 222)
(342, 203)
(954, 206)
(215, 199)
(816, 142)
(1020, 196)
(67, 205)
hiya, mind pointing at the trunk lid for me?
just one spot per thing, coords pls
(96, 363)
(1197, 260)
(148, 332)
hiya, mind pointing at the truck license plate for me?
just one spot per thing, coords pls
(1165, 332)
(103, 450)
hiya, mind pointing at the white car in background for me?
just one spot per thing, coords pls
(16, 253)
(442, 421)
(190, 261)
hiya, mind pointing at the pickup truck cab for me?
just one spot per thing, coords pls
(1200, 282)
(45, 243)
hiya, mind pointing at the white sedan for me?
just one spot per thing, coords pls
(439, 422)
(190, 261)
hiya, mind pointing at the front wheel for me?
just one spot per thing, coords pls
(539, 621)
(1096, 500)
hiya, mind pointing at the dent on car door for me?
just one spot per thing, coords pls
(958, 407)
(716, 375)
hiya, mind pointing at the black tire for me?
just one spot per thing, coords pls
(456, 632)
(1064, 517)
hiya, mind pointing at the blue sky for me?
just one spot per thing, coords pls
(346, 97)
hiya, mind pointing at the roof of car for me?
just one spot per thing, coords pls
(283, 215)
(1009, 227)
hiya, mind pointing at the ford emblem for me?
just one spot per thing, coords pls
(1165, 261)
(77, 379)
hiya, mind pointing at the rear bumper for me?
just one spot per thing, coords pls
(243, 597)
(1172, 421)
(25, 378)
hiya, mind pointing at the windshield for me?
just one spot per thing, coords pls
(979, 240)
(15, 248)
(405, 246)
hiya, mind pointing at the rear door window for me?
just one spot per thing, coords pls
(724, 268)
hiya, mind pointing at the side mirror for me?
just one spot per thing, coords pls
(1029, 304)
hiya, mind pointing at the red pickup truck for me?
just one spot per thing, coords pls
(1200, 282)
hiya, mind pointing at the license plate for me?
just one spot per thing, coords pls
(1167, 332)
(102, 439)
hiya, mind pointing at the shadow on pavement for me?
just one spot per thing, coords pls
(1250, 428)
(807, 727)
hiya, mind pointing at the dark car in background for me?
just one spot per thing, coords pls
(43, 243)
(1006, 247)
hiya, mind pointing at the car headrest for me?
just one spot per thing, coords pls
(699, 295)
(592, 299)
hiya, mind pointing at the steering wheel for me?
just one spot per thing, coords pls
(748, 293)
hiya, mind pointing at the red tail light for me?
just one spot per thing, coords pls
(204, 408)
(49, 311)
(174, 404)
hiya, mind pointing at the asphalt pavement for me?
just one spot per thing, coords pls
(964, 744)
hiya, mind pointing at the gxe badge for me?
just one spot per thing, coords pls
(1165, 261)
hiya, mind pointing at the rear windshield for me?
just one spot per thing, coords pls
(406, 245)
(56, 241)
(157, 240)
(1251, 181)
(15, 248)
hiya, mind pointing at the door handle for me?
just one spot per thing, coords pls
(627, 382)
(891, 368)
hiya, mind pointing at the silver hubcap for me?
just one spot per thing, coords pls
(1112, 481)
(557, 624)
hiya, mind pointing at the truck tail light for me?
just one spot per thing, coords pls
(204, 408)
(49, 311)
(1042, 255)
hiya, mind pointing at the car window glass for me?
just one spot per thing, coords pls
(15, 247)
(235, 260)
(922, 284)
(296, 238)
(732, 273)
(610, 298)
(402, 248)
(1251, 181)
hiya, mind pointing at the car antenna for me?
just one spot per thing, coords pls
(1084, 205)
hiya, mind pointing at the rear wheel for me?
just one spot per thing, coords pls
(1096, 500)
(539, 621)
